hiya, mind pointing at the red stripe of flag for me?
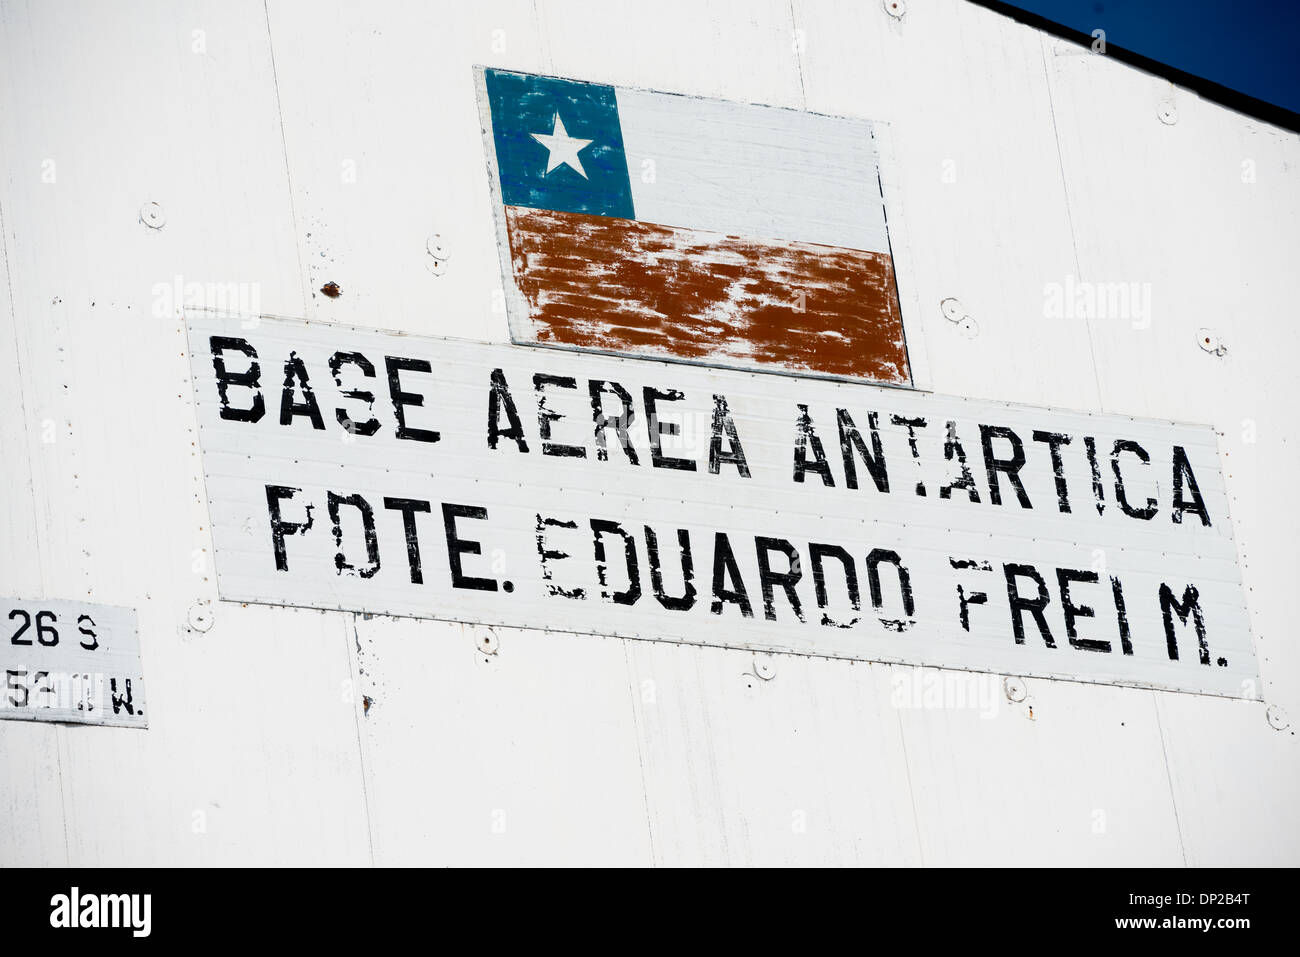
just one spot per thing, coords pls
(622, 285)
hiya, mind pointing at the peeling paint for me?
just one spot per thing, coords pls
(604, 283)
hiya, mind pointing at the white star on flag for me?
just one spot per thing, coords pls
(563, 147)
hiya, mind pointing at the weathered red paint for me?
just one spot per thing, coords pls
(629, 286)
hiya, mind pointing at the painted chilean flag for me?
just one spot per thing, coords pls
(684, 228)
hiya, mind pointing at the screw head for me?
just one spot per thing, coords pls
(200, 617)
(1277, 718)
(951, 309)
(1015, 688)
(487, 642)
(968, 327)
(1168, 113)
(765, 667)
(895, 8)
(151, 214)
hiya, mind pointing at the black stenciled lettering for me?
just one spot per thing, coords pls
(1190, 605)
(275, 494)
(334, 502)
(547, 416)
(657, 429)
(619, 423)
(723, 424)
(410, 507)
(500, 400)
(1010, 467)
(1121, 496)
(337, 362)
(851, 441)
(1098, 489)
(457, 546)
(629, 596)
(687, 599)
(46, 633)
(1183, 473)
(768, 579)
(88, 632)
(1121, 616)
(1054, 442)
(547, 555)
(817, 555)
(14, 700)
(805, 437)
(248, 379)
(1020, 605)
(725, 567)
(874, 561)
(396, 365)
(965, 600)
(912, 425)
(295, 380)
(121, 702)
(952, 450)
(17, 637)
(1064, 578)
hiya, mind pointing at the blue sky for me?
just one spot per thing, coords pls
(1246, 45)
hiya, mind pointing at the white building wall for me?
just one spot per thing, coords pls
(290, 144)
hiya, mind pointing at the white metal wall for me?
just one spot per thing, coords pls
(290, 144)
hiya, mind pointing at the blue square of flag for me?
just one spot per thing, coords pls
(558, 144)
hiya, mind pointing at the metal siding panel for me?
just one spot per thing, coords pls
(679, 46)
(20, 431)
(121, 509)
(251, 756)
(1235, 782)
(30, 787)
(1156, 212)
(1070, 774)
(980, 200)
(760, 760)
(523, 756)
(384, 157)
(31, 797)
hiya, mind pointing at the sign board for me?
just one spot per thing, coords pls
(439, 478)
(71, 661)
(708, 231)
